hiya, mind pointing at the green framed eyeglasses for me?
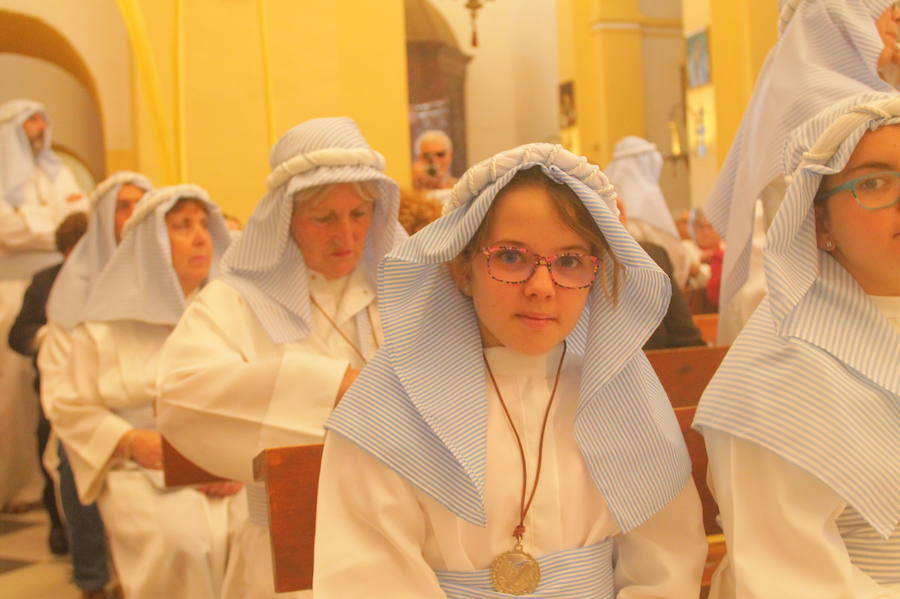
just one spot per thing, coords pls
(872, 192)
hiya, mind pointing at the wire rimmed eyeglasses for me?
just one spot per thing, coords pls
(872, 192)
(514, 266)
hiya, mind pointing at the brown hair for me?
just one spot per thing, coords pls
(70, 231)
(572, 212)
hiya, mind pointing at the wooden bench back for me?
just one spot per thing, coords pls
(708, 325)
(291, 475)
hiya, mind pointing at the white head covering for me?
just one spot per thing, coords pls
(16, 157)
(420, 404)
(828, 51)
(814, 375)
(139, 281)
(635, 170)
(73, 284)
(264, 264)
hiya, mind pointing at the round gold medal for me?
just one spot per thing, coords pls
(515, 572)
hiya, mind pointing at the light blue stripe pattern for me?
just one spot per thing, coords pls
(874, 555)
(265, 265)
(583, 573)
(83, 266)
(828, 51)
(420, 404)
(815, 374)
(139, 281)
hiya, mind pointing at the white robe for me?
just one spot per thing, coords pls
(379, 536)
(228, 392)
(786, 541)
(26, 245)
(166, 543)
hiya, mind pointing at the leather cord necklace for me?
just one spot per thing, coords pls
(341, 333)
(516, 572)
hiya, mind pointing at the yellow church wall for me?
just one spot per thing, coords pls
(217, 82)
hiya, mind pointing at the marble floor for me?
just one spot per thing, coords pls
(27, 568)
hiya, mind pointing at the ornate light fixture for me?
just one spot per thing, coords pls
(474, 6)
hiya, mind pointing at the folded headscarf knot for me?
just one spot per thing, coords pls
(327, 157)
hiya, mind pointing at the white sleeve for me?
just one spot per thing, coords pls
(89, 430)
(664, 556)
(17, 236)
(370, 530)
(780, 527)
(52, 361)
(222, 401)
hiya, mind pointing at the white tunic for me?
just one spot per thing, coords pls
(794, 540)
(379, 536)
(26, 245)
(228, 392)
(166, 543)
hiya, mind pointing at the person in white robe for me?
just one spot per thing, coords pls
(37, 191)
(264, 353)
(634, 171)
(164, 542)
(112, 202)
(801, 420)
(439, 447)
(827, 50)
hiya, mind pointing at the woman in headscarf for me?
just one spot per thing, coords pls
(801, 420)
(165, 543)
(264, 354)
(634, 171)
(827, 50)
(112, 202)
(511, 437)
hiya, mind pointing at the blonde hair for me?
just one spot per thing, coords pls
(572, 212)
(368, 190)
(417, 210)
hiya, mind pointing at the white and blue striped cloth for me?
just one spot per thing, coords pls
(264, 264)
(581, 573)
(83, 266)
(828, 51)
(815, 374)
(139, 281)
(420, 404)
(16, 157)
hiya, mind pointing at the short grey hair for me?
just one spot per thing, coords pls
(437, 133)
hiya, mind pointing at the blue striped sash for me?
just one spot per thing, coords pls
(582, 573)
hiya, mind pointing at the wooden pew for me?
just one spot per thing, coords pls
(708, 325)
(684, 374)
(179, 471)
(291, 475)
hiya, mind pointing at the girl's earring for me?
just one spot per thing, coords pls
(829, 245)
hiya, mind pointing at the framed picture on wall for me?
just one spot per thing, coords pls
(566, 104)
(698, 59)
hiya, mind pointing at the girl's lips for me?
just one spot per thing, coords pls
(342, 254)
(536, 321)
(199, 259)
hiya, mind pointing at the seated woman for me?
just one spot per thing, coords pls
(165, 543)
(801, 421)
(264, 354)
(510, 438)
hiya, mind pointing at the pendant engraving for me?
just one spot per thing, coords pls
(515, 572)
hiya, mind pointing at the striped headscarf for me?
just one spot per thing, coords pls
(16, 157)
(420, 404)
(264, 264)
(139, 281)
(815, 374)
(828, 50)
(83, 266)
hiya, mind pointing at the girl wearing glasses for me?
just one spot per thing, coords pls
(510, 437)
(801, 421)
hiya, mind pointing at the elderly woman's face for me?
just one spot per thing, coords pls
(866, 242)
(191, 243)
(331, 231)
